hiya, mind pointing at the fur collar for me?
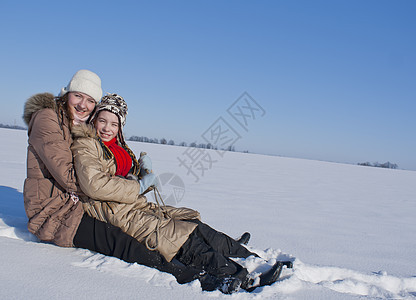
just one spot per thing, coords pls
(36, 103)
(88, 131)
(84, 131)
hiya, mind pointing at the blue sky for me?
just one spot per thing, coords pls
(336, 79)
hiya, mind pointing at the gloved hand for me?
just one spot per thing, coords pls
(147, 181)
(145, 164)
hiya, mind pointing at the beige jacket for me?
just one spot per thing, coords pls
(116, 200)
(53, 216)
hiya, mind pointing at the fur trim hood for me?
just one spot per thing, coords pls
(83, 131)
(88, 131)
(36, 103)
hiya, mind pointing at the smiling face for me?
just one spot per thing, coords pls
(80, 105)
(107, 125)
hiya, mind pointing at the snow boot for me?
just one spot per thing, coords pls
(267, 278)
(209, 282)
(226, 285)
(243, 240)
(230, 285)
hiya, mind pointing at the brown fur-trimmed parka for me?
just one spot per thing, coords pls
(53, 215)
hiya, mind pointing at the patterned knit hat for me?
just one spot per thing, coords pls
(115, 104)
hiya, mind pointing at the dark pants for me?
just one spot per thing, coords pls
(110, 240)
(211, 250)
(221, 242)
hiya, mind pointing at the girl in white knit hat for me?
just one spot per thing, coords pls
(81, 94)
(51, 190)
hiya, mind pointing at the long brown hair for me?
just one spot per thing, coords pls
(62, 110)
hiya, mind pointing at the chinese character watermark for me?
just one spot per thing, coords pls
(171, 187)
(196, 161)
(245, 109)
(221, 136)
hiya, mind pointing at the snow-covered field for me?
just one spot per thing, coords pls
(350, 230)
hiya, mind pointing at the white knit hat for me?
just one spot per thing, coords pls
(86, 82)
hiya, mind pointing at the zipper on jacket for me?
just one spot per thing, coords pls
(52, 188)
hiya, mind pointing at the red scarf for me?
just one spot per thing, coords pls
(123, 159)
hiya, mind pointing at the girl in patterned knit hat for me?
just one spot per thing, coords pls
(103, 161)
(109, 120)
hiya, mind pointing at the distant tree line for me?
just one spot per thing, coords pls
(164, 141)
(387, 165)
(12, 127)
(144, 139)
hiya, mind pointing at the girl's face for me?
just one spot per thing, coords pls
(107, 125)
(80, 105)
